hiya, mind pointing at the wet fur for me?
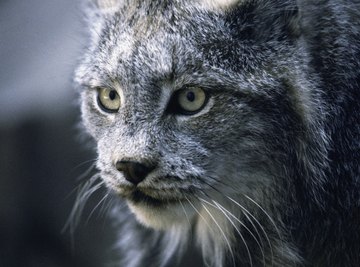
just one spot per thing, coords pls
(268, 173)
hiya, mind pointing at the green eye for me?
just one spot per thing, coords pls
(188, 101)
(109, 100)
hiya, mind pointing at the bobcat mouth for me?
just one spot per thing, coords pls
(151, 196)
(157, 209)
(138, 197)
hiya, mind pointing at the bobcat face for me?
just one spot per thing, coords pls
(180, 115)
(230, 121)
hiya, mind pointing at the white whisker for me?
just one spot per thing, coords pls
(83, 194)
(187, 217)
(218, 206)
(266, 214)
(88, 170)
(258, 223)
(86, 173)
(205, 221)
(222, 232)
(246, 228)
(97, 205)
(196, 210)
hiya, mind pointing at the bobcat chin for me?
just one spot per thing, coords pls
(231, 128)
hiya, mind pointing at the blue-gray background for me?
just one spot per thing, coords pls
(40, 152)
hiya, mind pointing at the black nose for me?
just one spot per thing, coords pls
(134, 172)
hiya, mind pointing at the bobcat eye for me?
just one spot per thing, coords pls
(188, 101)
(108, 100)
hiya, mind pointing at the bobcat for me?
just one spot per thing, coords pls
(230, 128)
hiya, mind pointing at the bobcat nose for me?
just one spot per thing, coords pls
(134, 172)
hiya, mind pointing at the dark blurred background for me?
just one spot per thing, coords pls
(41, 155)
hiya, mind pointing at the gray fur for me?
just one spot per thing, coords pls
(267, 174)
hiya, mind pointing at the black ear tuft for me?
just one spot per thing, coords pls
(265, 20)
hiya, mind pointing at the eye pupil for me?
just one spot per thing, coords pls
(112, 95)
(190, 96)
